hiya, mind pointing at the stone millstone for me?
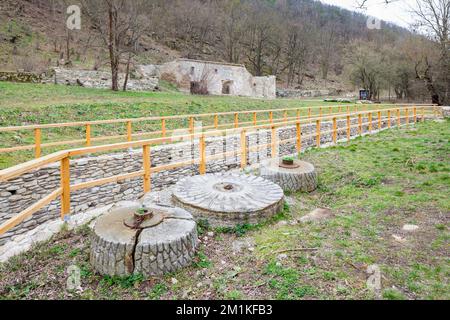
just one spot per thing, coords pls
(301, 177)
(228, 199)
(118, 250)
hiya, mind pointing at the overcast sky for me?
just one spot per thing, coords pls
(397, 12)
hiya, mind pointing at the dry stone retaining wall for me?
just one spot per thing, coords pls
(20, 193)
(20, 77)
(99, 79)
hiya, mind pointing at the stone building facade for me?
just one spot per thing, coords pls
(220, 78)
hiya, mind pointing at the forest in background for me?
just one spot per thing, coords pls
(300, 41)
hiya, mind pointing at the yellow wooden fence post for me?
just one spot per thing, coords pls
(147, 167)
(255, 120)
(88, 135)
(370, 121)
(318, 132)
(236, 120)
(334, 130)
(348, 128)
(360, 124)
(202, 147)
(37, 142)
(191, 125)
(274, 142)
(379, 120)
(163, 127)
(243, 149)
(65, 186)
(398, 118)
(299, 137)
(129, 131)
(216, 121)
(415, 114)
(407, 116)
(285, 117)
(271, 117)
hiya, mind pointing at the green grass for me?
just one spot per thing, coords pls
(23, 104)
(373, 186)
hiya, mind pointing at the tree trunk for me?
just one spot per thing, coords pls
(112, 50)
(127, 72)
(68, 45)
(431, 89)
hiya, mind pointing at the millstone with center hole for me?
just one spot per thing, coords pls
(228, 199)
(160, 241)
(298, 176)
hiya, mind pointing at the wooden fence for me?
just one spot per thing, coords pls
(410, 114)
(257, 117)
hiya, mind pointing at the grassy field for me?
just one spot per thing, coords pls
(22, 104)
(373, 186)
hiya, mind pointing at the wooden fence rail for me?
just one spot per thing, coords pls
(38, 144)
(64, 157)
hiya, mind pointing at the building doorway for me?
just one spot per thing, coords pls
(226, 87)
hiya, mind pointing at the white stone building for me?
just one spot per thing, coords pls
(219, 78)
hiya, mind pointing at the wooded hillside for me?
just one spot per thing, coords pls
(305, 43)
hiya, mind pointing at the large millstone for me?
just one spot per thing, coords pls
(301, 176)
(163, 244)
(228, 199)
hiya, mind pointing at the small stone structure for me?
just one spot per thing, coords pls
(220, 78)
(162, 240)
(300, 176)
(100, 79)
(228, 199)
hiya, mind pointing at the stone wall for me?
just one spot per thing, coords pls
(446, 112)
(19, 193)
(100, 79)
(296, 93)
(20, 77)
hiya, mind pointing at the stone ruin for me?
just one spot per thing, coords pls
(100, 79)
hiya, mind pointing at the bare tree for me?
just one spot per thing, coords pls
(328, 40)
(200, 85)
(120, 25)
(259, 26)
(434, 18)
(233, 30)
